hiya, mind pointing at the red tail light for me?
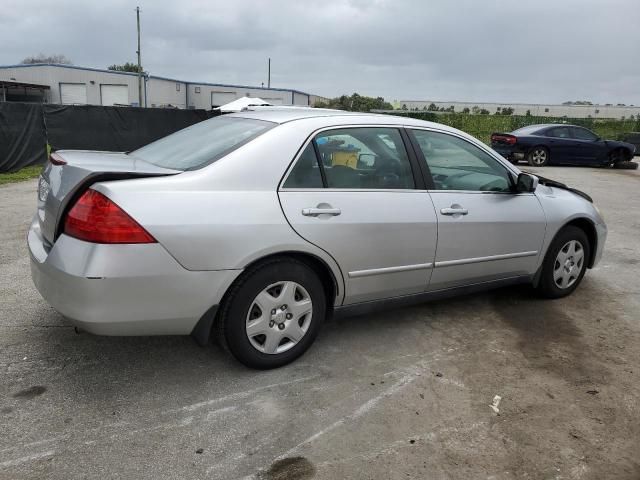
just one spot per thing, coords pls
(95, 218)
(57, 159)
(504, 138)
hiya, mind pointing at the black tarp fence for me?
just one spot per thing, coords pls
(25, 129)
(22, 136)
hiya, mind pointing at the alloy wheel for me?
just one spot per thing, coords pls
(539, 156)
(569, 264)
(279, 317)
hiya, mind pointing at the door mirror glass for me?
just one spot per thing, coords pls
(526, 183)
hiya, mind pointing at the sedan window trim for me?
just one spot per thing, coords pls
(418, 183)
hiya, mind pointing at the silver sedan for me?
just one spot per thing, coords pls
(253, 228)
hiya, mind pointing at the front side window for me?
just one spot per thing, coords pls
(364, 158)
(456, 164)
(584, 134)
(203, 143)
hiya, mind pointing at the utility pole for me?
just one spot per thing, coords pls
(269, 74)
(139, 60)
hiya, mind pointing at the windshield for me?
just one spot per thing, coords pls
(203, 143)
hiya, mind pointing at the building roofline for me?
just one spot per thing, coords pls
(517, 103)
(74, 67)
(229, 85)
(90, 69)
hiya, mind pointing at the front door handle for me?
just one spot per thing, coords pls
(454, 210)
(314, 212)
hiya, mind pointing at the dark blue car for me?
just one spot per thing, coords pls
(561, 144)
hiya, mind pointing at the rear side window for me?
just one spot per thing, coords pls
(558, 132)
(306, 172)
(203, 143)
(354, 158)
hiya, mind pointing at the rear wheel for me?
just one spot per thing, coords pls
(565, 264)
(272, 314)
(538, 156)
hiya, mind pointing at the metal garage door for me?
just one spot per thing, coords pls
(273, 101)
(222, 98)
(114, 94)
(73, 93)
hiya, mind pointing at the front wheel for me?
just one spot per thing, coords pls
(538, 157)
(565, 264)
(272, 314)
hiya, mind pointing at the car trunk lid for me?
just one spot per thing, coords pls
(71, 172)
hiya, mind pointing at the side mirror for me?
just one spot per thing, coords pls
(366, 160)
(526, 183)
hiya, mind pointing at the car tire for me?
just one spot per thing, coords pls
(565, 263)
(626, 165)
(272, 298)
(616, 157)
(538, 156)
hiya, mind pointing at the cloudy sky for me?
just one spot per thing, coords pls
(474, 50)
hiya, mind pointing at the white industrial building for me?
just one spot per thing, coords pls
(536, 109)
(73, 85)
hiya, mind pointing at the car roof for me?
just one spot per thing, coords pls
(290, 114)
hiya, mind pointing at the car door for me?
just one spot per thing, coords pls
(589, 147)
(562, 148)
(353, 192)
(485, 231)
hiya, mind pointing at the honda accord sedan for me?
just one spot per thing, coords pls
(252, 228)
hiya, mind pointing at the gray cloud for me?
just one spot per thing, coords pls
(501, 50)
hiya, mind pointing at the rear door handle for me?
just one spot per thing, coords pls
(454, 211)
(314, 212)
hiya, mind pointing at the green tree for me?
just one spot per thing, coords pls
(465, 110)
(357, 103)
(126, 67)
(42, 58)
(484, 111)
(432, 107)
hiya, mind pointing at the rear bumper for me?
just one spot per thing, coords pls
(123, 289)
(509, 152)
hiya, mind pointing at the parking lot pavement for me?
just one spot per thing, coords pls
(399, 394)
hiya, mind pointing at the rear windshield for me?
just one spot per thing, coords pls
(528, 130)
(203, 143)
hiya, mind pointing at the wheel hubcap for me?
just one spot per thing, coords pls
(279, 317)
(539, 157)
(568, 265)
